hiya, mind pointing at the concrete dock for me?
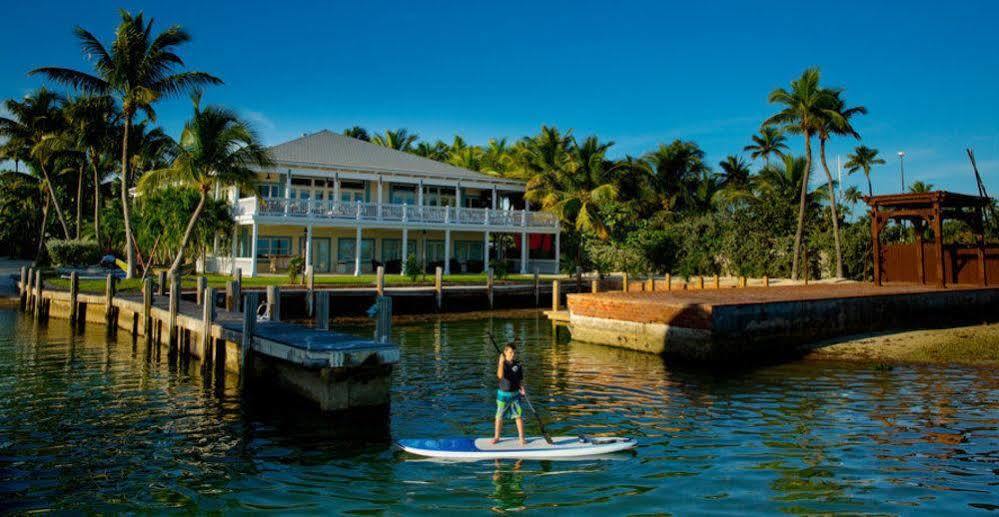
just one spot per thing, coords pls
(733, 324)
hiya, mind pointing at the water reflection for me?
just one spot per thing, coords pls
(107, 424)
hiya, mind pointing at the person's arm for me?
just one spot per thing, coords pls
(499, 368)
(523, 387)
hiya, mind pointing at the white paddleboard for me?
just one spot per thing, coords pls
(511, 448)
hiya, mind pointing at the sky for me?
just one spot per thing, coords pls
(635, 73)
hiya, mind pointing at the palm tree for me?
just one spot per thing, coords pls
(33, 122)
(919, 187)
(804, 108)
(357, 132)
(470, 158)
(674, 171)
(863, 158)
(436, 151)
(216, 149)
(852, 195)
(139, 70)
(735, 172)
(400, 140)
(770, 141)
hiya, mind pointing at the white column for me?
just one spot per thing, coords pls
(405, 248)
(357, 253)
(287, 192)
(379, 198)
(457, 203)
(495, 193)
(523, 253)
(558, 250)
(485, 253)
(336, 188)
(419, 197)
(308, 245)
(447, 251)
(235, 250)
(253, 250)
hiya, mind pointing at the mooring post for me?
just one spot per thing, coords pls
(595, 286)
(147, 306)
(237, 291)
(202, 284)
(652, 282)
(74, 293)
(39, 299)
(489, 287)
(439, 286)
(579, 279)
(323, 310)
(174, 307)
(383, 319)
(669, 281)
(30, 290)
(717, 282)
(21, 286)
(109, 291)
(274, 302)
(537, 288)
(246, 344)
(161, 288)
(742, 281)
(310, 291)
(230, 289)
(766, 281)
(380, 281)
(700, 281)
(207, 319)
(556, 295)
(624, 282)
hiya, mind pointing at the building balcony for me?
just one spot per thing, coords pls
(276, 210)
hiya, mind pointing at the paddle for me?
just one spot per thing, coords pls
(529, 405)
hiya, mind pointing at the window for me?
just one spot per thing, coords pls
(271, 190)
(468, 250)
(438, 196)
(392, 249)
(267, 246)
(402, 194)
(346, 248)
(351, 191)
(435, 251)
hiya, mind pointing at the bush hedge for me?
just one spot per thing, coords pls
(74, 252)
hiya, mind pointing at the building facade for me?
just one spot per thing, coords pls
(348, 206)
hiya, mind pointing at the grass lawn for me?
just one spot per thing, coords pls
(219, 281)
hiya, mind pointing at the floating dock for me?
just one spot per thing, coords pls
(735, 324)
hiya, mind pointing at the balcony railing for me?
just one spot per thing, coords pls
(445, 215)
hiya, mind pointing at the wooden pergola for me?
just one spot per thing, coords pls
(928, 210)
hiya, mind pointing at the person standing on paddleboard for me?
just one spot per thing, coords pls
(511, 388)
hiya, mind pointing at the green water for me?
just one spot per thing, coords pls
(89, 423)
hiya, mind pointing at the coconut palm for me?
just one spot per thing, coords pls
(436, 151)
(769, 141)
(400, 140)
(863, 159)
(920, 187)
(138, 69)
(735, 172)
(674, 171)
(804, 107)
(34, 121)
(852, 195)
(470, 158)
(216, 149)
(357, 132)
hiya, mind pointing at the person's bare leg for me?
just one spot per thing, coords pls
(520, 430)
(498, 427)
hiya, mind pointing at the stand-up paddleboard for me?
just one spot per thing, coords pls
(511, 448)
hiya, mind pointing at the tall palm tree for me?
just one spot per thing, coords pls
(852, 195)
(863, 158)
(357, 132)
(735, 172)
(436, 151)
(400, 139)
(32, 123)
(836, 122)
(769, 141)
(674, 171)
(920, 187)
(804, 107)
(216, 149)
(138, 69)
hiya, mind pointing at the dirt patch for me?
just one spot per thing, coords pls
(974, 345)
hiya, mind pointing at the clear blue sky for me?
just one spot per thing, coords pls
(634, 73)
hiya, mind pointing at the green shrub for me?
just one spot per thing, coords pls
(500, 268)
(73, 252)
(411, 268)
(296, 265)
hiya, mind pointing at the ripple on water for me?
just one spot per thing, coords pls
(94, 423)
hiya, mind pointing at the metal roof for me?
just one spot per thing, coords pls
(329, 150)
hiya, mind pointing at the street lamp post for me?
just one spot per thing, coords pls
(901, 168)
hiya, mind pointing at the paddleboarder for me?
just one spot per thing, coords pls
(510, 373)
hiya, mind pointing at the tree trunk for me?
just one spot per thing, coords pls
(79, 199)
(55, 202)
(870, 191)
(97, 199)
(835, 211)
(129, 249)
(41, 233)
(187, 233)
(801, 206)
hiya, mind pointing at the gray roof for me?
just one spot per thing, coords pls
(327, 149)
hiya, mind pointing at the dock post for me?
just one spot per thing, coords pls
(579, 279)
(39, 300)
(595, 286)
(29, 305)
(173, 304)
(489, 287)
(323, 310)
(202, 285)
(556, 295)
(380, 281)
(147, 305)
(230, 290)
(766, 281)
(109, 291)
(310, 291)
(161, 284)
(439, 287)
(537, 288)
(274, 303)
(74, 294)
(742, 281)
(237, 292)
(700, 281)
(21, 287)
(383, 319)
(624, 282)
(717, 282)
(669, 281)
(246, 344)
(652, 282)
(207, 319)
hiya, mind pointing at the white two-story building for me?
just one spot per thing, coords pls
(348, 206)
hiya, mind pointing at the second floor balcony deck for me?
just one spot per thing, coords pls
(250, 209)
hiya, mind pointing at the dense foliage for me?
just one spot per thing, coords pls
(74, 252)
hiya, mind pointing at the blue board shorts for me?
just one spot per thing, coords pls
(508, 405)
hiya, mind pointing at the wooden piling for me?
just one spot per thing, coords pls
(742, 281)
(161, 287)
(310, 291)
(110, 287)
(246, 344)
(579, 279)
(230, 296)
(74, 295)
(652, 282)
(380, 281)
(173, 306)
(39, 299)
(700, 281)
(274, 302)
(323, 310)
(207, 320)
(625, 286)
(30, 304)
(147, 304)
(669, 281)
(383, 319)
(439, 286)
(537, 288)
(766, 281)
(237, 293)
(595, 286)
(202, 284)
(717, 282)
(489, 287)
(556, 295)
(21, 287)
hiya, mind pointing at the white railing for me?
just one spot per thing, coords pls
(358, 211)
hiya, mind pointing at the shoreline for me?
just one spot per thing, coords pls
(972, 345)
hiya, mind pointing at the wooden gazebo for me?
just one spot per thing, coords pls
(928, 210)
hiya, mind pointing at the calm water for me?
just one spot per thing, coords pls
(92, 423)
